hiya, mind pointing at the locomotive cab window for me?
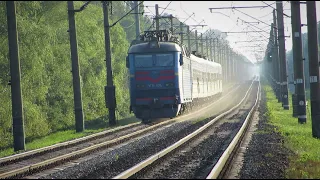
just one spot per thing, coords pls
(154, 60)
(142, 61)
(164, 60)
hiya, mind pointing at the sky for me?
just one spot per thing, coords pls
(226, 20)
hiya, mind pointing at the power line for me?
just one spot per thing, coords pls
(188, 18)
(125, 14)
(269, 4)
(257, 32)
(129, 26)
(266, 15)
(155, 15)
(236, 23)
(165, 7)
(150, 10)
(242, 32)
(239, 7)
(252, 17)
(275, 9)
(189, 15)
(256, 27)
(249, 41)
(128, 5)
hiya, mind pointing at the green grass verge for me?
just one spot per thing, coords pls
(91, 127)
(305, 163)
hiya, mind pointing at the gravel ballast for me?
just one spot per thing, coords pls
(115, 160)
(265, 157)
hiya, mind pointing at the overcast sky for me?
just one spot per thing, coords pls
(226, 20)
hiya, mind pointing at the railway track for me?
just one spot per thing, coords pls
(173, 161)
(34, 161)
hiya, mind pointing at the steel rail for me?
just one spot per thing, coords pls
(138, 167)
(100, 145)
(63, 144)
(227, 154)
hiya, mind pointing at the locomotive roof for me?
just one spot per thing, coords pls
(145, 48)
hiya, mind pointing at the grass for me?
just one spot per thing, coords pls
(93, 126)
(305, 163)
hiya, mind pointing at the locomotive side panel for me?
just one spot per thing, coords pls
(186, 80)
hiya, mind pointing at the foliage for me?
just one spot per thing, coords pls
(46, 78)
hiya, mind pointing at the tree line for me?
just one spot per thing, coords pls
(46, 77)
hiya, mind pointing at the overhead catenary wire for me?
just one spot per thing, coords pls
(129, 26)
(266, 15)
(188, 14)
(235, 44)
(125, 14)
(275, 9)
(166, 7)
(257, 28)
(268, 5)
(252, 17)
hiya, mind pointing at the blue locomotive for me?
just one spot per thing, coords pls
(166, 79)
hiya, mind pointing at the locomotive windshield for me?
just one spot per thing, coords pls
(142, 61)
(154, 60)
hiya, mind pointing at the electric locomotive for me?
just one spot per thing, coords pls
(166, 79)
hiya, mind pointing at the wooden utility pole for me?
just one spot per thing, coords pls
(171, 24)
(16, 93)
(189, 43)
(201, 43)
(276, 57)
(181, 33)
(157, 17)
(230, 64)
(313, 68)
(300, 102)
(136, 11)
(78, 107)
(225, 59)
(219, 55)
(211, 55)
(196, 36)
(226, 54)
(207, 48)
(110, 91)
(282, 55)
(215, 58)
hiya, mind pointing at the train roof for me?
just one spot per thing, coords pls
(164, 47)
(203, 61)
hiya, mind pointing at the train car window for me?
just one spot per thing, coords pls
(142, 61)
(164, 60)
